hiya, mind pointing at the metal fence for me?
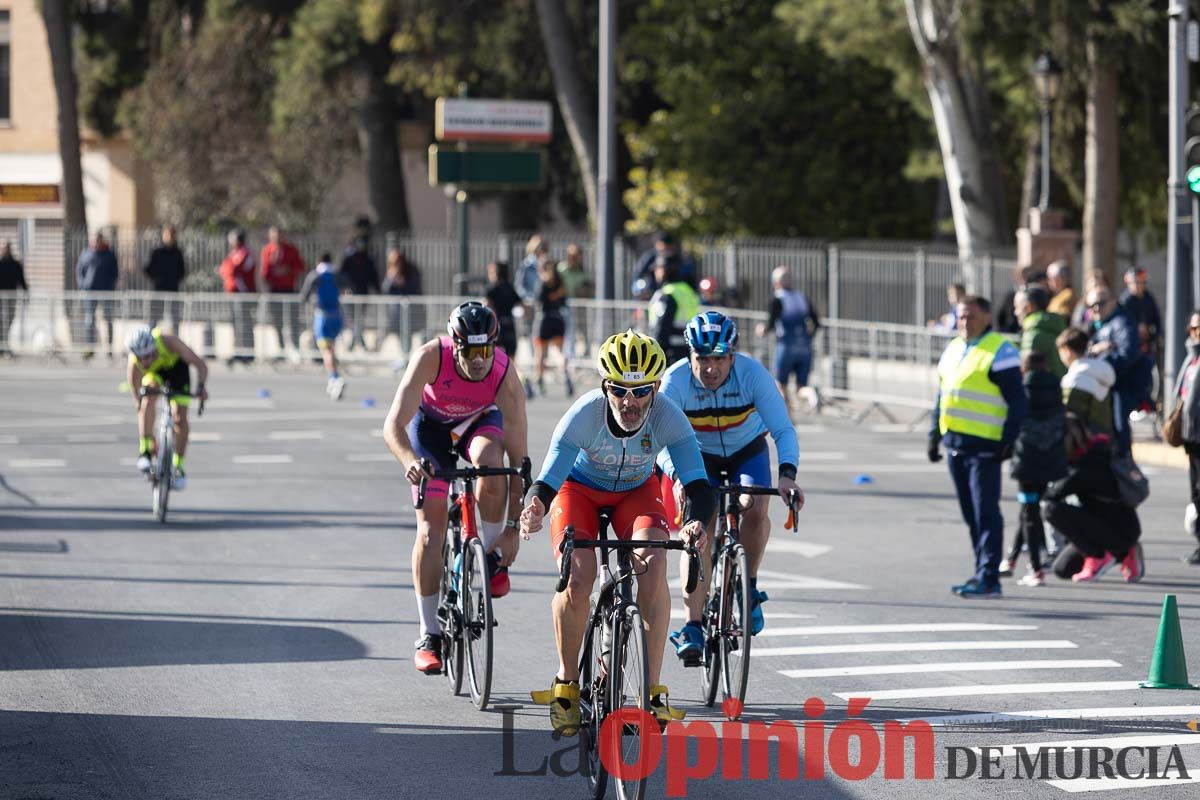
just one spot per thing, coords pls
(889, 282)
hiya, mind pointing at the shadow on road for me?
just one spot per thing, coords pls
(76, 642)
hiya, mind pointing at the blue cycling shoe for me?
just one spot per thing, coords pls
(689, 644)
(757, 598)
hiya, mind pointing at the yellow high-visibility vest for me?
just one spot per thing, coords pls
(970, 403)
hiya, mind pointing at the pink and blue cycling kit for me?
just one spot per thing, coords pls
(454, 411)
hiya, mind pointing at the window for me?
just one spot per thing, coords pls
(5, 74)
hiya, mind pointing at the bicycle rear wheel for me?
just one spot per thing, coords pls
(477, 622)
(735, 619)
(593, 704)
(448, 605)
(630, 689)
(710, 667)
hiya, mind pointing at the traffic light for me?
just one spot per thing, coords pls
(1191, 149)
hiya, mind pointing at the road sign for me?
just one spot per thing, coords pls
(460, 119)
(487, 169)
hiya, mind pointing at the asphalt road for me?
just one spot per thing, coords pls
(259, 645)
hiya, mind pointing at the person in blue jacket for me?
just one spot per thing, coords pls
(732, 402)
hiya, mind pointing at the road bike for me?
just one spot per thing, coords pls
(725, 659)
(613, 671)
(162, 466)
(465, 591)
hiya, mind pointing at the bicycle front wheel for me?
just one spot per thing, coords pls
(710, 667)
(735, 625)
(162, 483)
(477, 623)
(630, 689)
(593, 702)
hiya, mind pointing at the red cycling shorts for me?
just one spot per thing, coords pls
(579, 506)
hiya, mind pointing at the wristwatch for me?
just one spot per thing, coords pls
(512, 523)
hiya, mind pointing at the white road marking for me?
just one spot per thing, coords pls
(1102, 784)
(36, 463)
(204, 436)
(913, 647)
(806, 549)
(92, 438)
(276, 458)
(9, 439)
(809, 455)
(370, 457)
(55, 423)
(947, 666)
(376, 433)
(115, 399)
(128, 462)
(903, 627)
(1082, 714)
(912, 455)
(869, 468)
(293, 436)
(1114, 742)
(677, 613)
(768, 579)
(983, 689)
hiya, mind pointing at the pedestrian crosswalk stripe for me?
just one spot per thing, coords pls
(275, 458)
(36, 463)
(1171, 777)
(948, 666)
(291, 436)
(678, 613)
(204, 436)
(806, 549)
(912, 647)
(902, 627)
(1114, 742)
(768, 579)
(977, 689)
(1109, 712)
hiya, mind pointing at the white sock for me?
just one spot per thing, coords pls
(490, 532)
(427, 610)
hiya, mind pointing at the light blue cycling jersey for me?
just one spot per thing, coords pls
(741, 410)
(586, 450)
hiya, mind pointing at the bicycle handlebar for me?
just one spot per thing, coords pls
(567, 549)
(792, 500)
(471, 473)
(147, 391)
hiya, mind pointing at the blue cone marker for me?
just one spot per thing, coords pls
(368, 402)
(264, 393)
(862, 480)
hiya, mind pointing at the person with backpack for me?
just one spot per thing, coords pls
(1187, 394)
(1039, 457)
(1103, 529)
(1116, 341)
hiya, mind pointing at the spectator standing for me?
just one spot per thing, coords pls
(1063, 298)
(795, 322)
(12, 279)
(977, 413)
(1098, 525)
(665, 245)
(282, 268)
(501, 297)
(1087, 386)
(671, 308)
(1039, 457)
(710, 293)
(1187, 392)
(1006, 320)
(1142, 309)
(551, 324)
(362, 278)
(165, 269)
(579, 287)
(403, 279)
(238, 274)
(948, 322)
(528, 280)
(1116, 341)
(1039, 328)
(96, 271)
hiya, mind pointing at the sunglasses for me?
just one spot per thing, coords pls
(618, 391)
(477, 350)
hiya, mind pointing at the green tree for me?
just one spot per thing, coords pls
(758, 133)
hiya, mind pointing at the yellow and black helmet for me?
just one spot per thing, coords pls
(631, 358)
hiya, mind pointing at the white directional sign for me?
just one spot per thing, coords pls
(471, 120)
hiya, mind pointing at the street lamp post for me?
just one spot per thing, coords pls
(1047, 77)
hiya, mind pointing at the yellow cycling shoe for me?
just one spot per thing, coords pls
(660, 706)
(563, 699)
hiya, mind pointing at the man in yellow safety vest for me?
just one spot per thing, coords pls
(977, 414)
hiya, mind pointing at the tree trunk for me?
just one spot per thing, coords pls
(379, 143)
(1102, 165)
(58, 37)
(576, 104)
(1029, 179)
(972, 193)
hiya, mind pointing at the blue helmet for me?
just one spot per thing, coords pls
(711, 333)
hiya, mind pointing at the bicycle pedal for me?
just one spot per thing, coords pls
(692, 660)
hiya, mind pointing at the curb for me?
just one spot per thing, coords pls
(1160, 454)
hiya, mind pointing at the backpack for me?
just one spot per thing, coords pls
(1133, 487)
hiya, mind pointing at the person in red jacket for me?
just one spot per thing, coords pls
(237, 271)
(282, 267)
